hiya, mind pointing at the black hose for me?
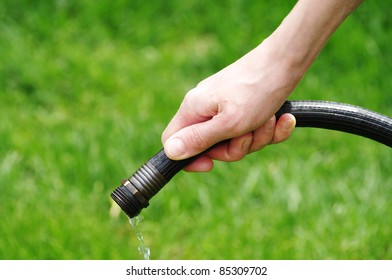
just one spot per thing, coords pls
(133, 195)
(341, 117)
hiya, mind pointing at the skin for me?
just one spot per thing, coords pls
(238, 103)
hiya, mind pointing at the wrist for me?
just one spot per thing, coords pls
(303, 33)
(278, 71)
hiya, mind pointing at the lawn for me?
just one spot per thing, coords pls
(87, 87)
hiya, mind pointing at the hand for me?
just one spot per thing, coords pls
(236, 104)
(235, 149)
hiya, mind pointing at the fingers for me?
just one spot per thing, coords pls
(271, 132)
(196, 138)
(263, 135)
(232, 150)
(202, 164)
(284, 128)
(196, 127)
(194, 109)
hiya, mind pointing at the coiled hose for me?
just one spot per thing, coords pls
(134, 193)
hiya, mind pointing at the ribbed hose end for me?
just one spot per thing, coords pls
(133, 195)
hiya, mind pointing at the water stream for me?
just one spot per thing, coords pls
(143, 249)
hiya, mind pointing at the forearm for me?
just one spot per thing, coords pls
(304, 32)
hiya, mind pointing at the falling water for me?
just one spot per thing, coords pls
(143, 249)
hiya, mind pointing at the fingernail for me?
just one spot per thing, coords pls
(290, 124)
(175, 148)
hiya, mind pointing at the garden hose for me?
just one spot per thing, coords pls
(134, 193)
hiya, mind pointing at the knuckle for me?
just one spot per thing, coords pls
(240, 147)
(189, 97)
(196, 140)
(237, 154)
(261, 139)
(192, 93)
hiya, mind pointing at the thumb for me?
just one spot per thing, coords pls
(194, 139)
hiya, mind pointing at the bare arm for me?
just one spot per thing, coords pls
(238, 102)
(304, 32)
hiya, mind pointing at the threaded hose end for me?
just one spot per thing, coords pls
(133, 195)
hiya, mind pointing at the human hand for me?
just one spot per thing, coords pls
(236, 104)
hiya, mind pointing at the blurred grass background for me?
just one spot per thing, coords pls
(87, 87)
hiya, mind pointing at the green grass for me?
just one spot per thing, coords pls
(86, 88)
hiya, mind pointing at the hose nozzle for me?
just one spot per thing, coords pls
(134, 193)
